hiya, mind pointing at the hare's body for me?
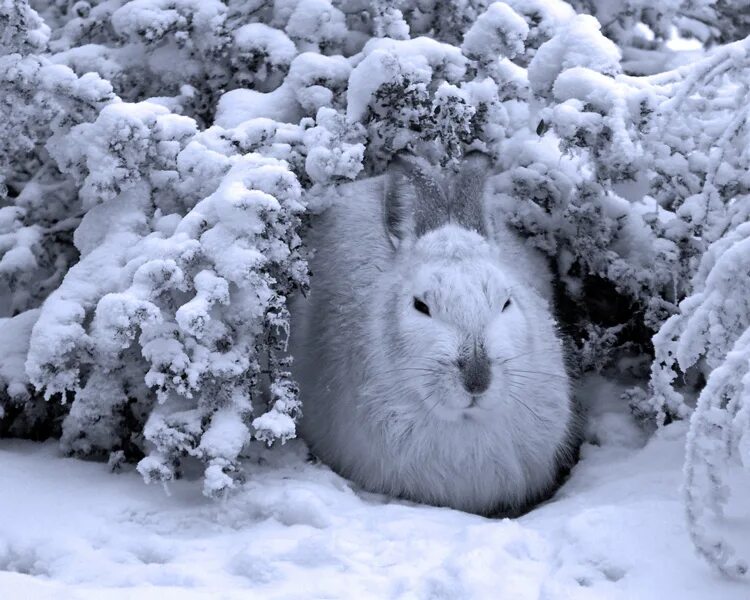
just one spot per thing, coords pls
(464, 405)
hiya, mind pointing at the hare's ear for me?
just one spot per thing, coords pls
(467, 197)
(413, 199)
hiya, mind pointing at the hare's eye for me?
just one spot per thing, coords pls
(421, 306)
(506, 305)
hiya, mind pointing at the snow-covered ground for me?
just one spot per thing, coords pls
(71, 529)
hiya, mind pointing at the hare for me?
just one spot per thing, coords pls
(429, 362)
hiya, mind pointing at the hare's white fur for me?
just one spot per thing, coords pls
(383, 402)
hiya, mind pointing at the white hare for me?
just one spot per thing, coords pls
(429, 362)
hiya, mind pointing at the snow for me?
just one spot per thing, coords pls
(153, 19)
(273, 425)
(615, 530)
(499, 32)
(241, 105)
(15, 333)
(316, 25)
(578, 44)
(158, 160)
(301, 93)
(277, 47)
(386, 60)
(325, 158)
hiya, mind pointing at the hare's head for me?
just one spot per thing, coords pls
(459, 326)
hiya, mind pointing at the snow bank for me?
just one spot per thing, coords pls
(615, 531)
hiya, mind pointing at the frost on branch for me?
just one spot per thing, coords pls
(411, 92)
(711, 333)
(318, 26)
(261, 56)
(22, 31)
(578, 44)
(40, 99)
(191, 308)
(39, 207)
(499, 32)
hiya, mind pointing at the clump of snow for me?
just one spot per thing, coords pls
(579, 44)
(389, 61)
(23, 29)
(153, 19)
(105, 164)
(317, 25)
(262, 55)
(498, 33)
(257, 37)
(311, 84)
(274, 425)
(389, 21)
(333, 151)
(15, 333)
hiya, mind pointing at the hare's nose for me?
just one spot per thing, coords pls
(475, 371)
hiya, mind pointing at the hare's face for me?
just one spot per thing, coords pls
(459, 326)
(457, 330)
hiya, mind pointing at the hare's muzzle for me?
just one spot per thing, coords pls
(474, 366)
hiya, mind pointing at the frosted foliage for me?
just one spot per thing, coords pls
(21, 28)
(499, 32)
(317, 25)
(161, 159)
(262, 56)
(579, 44)
(641, 25)
(388, 20)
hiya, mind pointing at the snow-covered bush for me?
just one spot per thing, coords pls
(160, 157)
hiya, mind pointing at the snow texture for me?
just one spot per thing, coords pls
(615, 531)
